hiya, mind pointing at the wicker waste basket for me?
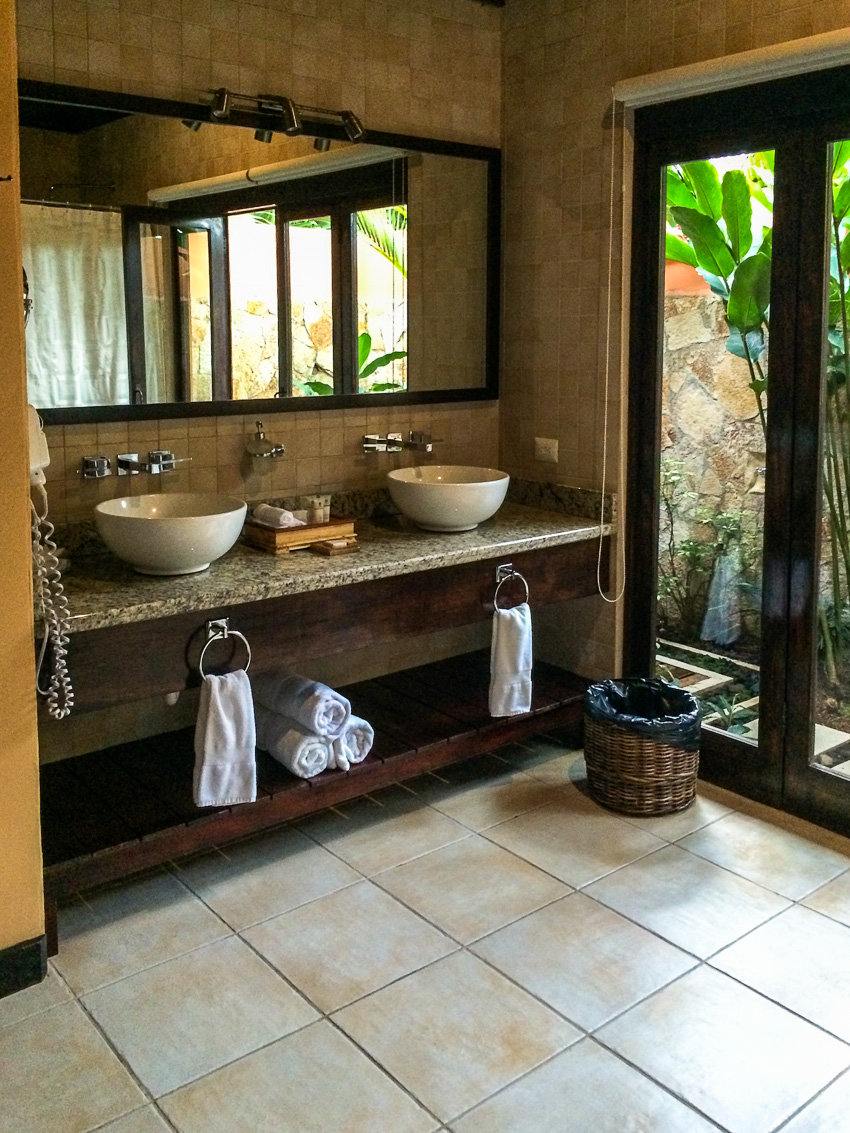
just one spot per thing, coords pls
(641, 740)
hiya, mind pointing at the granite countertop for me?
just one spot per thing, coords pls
(102, 591)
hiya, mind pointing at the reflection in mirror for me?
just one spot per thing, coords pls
(171, 265)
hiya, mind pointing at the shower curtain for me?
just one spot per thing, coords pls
(76, 336)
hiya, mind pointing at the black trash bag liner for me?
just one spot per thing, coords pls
(648, 706)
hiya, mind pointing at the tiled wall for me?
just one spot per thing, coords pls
(323, 452)
(429, 67)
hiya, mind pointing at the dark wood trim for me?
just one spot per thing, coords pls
(344, 255)
(222, 376)
(284, 307)
(22, 965)
(134, 308)
(644, 444)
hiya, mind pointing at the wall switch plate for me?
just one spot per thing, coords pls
(546, 450)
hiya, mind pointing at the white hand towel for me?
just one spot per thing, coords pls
(225, 736)
(354, 744)
(275, 516)
(313, 705)
(510, 662)
(304, 753)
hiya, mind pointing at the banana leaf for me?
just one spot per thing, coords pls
(701, 177)
(712, 251)
(737, 212)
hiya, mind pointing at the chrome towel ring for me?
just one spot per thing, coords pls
(504, 573)
(218, 629)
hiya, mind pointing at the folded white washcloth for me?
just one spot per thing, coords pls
(225, 736)
(275, 516)
(313, 705)
(510, 662)
(304, 753)
(354, 744)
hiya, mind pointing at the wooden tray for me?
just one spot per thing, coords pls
(280, 541)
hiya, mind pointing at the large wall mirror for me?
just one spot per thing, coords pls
(181, 265)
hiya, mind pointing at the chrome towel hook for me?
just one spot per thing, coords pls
(218, 629)
(503, 574)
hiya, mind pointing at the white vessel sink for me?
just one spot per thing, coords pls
(170, 533)
(448, 497)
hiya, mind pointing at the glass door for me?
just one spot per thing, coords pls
(713, 435)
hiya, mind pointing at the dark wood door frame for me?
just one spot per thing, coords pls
(797, 118)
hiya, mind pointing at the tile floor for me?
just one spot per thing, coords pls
(483, 951)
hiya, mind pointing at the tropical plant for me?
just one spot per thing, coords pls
(715, 225)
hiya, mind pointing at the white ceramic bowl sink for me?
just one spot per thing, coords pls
(448, 497)
(172, 533)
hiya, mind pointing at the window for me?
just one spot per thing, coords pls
(274, 296)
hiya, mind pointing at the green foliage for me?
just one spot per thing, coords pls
(367, 368)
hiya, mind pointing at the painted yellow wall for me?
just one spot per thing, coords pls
(21, 910)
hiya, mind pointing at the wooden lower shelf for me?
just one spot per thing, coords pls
(124, 809)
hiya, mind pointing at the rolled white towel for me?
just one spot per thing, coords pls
(275, 516)
(315, 706)
(302, 752)
(354, 744)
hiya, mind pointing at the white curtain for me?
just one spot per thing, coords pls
(76, 335)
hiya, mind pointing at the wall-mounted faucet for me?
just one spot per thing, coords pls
(395, 442)
(159, 460)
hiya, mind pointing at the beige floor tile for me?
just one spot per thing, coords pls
(827, 1113)
(472, 887)
(59, 1074)
(687, 900)
(192, 1014)
(574, 839)
(316, 1081)
(254, 880)
(797, 960)
(348, 944)
(455, 1032)
(740, 1059)
(586, 1089)
(145, 1120)
(776, 858)
(832, 899)
(373, 836)
(585, 961)
(115, 932)
(547, 760)
(672, 827)
(478, 805)
(32, 1000)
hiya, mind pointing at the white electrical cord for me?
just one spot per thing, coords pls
(54, 612)
(621, 542)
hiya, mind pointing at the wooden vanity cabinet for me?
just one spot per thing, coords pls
(114, 812)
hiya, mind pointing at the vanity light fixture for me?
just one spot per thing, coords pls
(322, 144)
(220, 107)
(352, 125)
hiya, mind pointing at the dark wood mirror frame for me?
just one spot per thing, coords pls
(38, 99)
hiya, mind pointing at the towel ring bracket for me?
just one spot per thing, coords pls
(218, 629)
(504, 573)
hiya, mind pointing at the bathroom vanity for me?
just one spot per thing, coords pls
(129, 807)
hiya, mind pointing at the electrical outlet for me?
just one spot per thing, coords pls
(546, 450)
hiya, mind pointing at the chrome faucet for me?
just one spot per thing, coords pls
(159, 460)
(395, 442)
